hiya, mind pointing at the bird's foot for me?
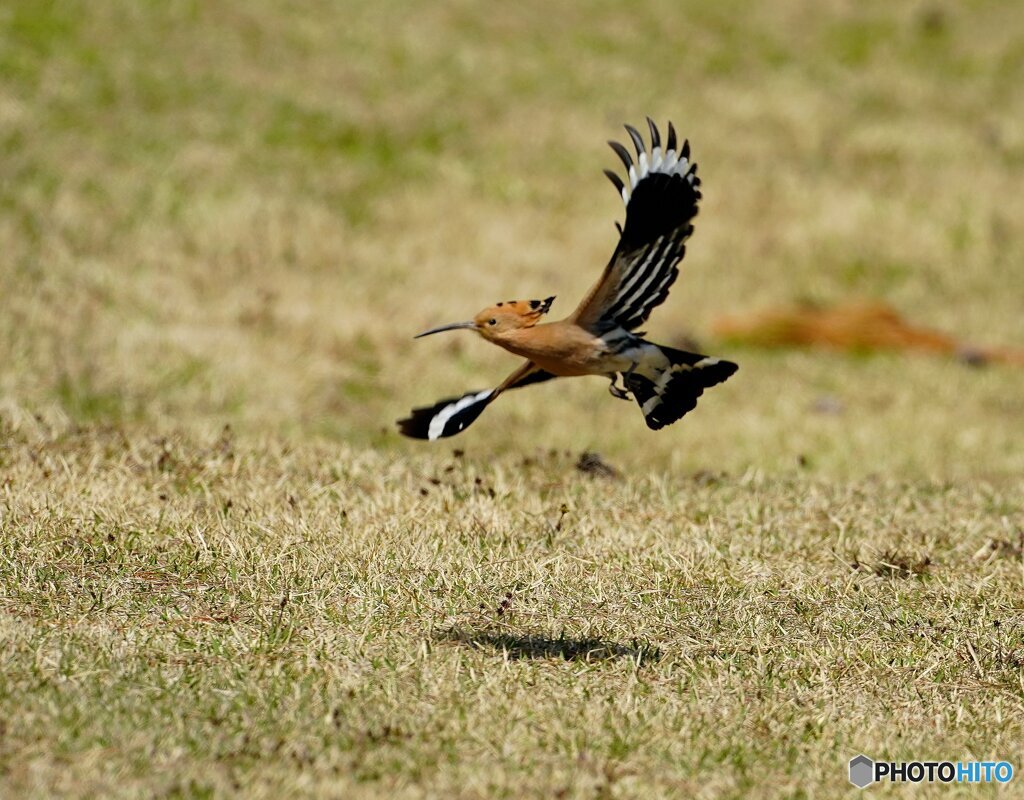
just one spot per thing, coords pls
(618, 391)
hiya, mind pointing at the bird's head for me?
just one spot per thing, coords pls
(499, 319)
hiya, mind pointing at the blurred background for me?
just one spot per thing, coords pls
(240, 213)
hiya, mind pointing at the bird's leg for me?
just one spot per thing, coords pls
(617, 391)
(627, 374)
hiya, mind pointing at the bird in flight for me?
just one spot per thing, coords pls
(600, 337)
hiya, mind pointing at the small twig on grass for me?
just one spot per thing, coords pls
(974, 657)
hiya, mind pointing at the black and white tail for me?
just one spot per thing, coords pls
(675, 390)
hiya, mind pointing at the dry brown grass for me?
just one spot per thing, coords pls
(237, 214)
(186, 617)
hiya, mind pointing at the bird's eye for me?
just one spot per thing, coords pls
(492, 322)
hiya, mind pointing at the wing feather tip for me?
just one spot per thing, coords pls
(655, 134)
(621, 152)
(638, 141)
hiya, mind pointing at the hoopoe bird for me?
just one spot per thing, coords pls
(600, 337)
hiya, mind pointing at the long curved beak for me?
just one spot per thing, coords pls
(452, 327)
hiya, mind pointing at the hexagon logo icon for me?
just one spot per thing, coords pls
(862, 771)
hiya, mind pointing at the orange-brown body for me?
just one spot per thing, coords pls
(566, 348)
(562, 348)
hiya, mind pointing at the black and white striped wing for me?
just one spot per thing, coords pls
(454, 414)
(661, 193)
(447, 417)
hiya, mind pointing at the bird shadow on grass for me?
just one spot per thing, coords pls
(536, 645)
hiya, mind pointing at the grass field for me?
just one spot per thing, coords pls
(222, 572)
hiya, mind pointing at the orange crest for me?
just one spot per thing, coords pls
(511, 315)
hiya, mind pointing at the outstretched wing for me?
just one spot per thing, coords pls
(661, 196)
(455, 414)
